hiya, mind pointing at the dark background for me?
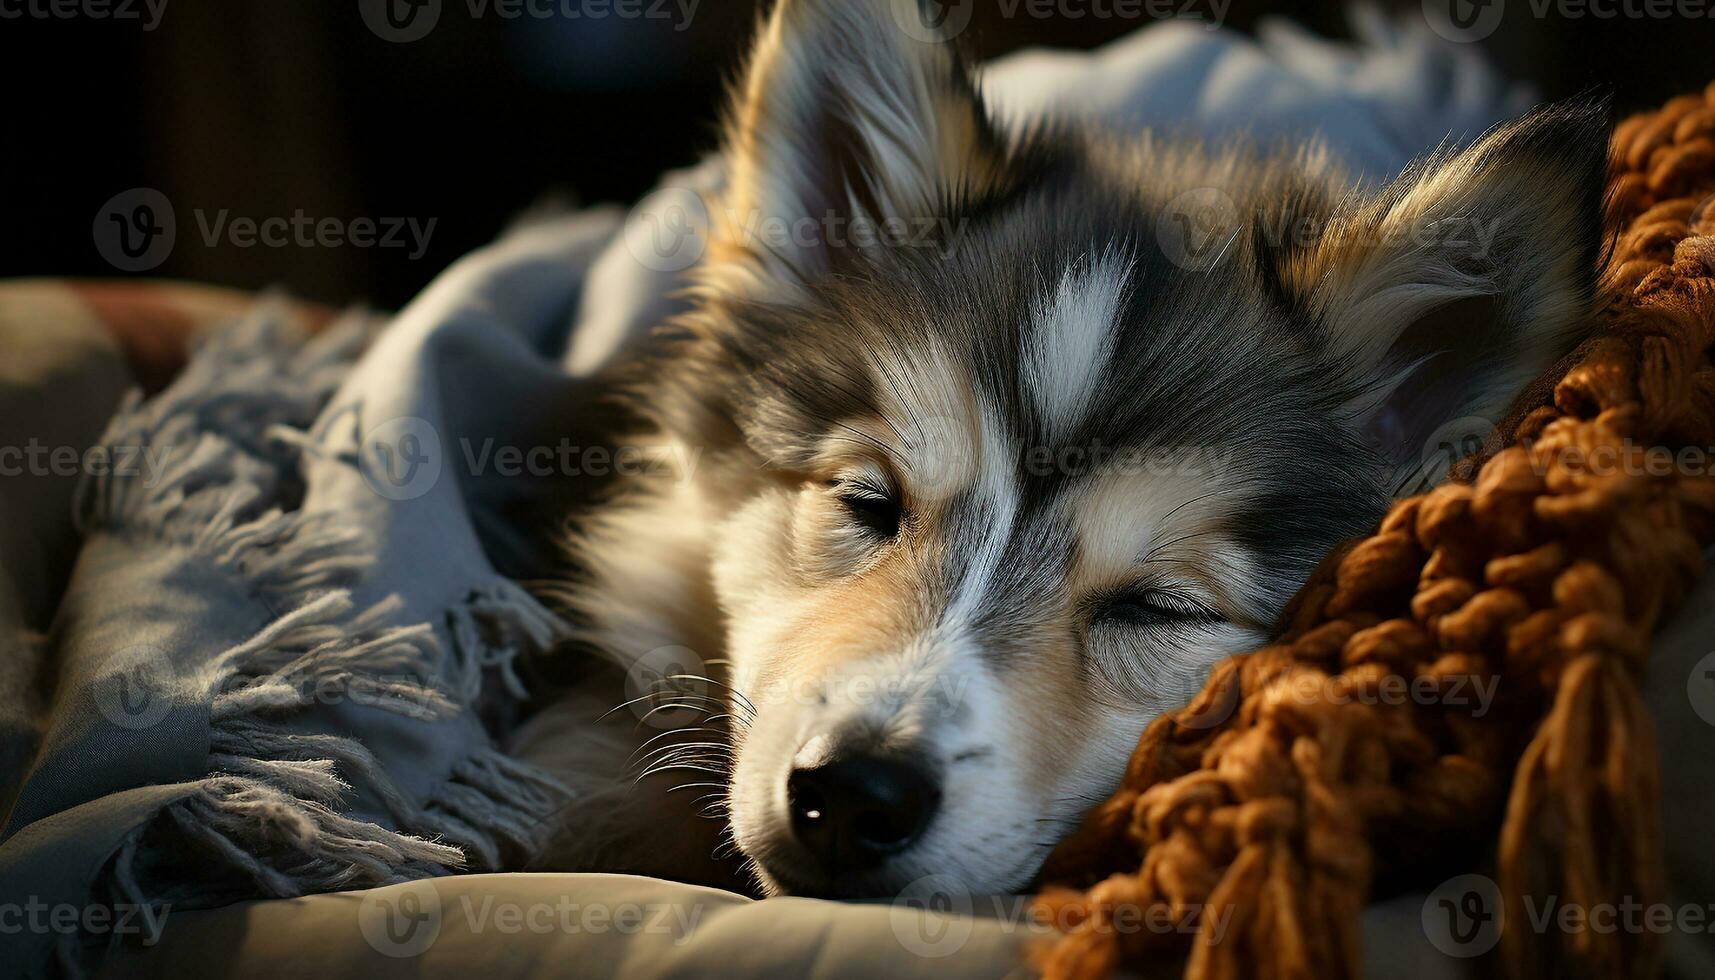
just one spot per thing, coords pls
(264, 107)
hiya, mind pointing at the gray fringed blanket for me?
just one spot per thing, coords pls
(286, 619)
(289, 641)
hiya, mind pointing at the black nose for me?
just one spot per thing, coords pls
(854, 811)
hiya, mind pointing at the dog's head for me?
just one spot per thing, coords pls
(1023, 429)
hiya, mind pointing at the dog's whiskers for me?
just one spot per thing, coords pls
(737, 695)
(652, 696)
(691, 753)
(667, 734)
(679, 766)
(675, 789)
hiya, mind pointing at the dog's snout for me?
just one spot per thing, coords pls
(855, 810)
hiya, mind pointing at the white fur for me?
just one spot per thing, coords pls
(1072, 339)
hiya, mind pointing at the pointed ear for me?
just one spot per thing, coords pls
(852, 123)
(1443, 296)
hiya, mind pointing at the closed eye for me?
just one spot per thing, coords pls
(870, 507)
(1153, 608)
(1151, 647)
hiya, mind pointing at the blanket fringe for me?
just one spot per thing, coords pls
(494, 804)
(491, 629)
(201, 465)
(223, 481)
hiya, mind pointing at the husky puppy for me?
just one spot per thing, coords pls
(986, 482)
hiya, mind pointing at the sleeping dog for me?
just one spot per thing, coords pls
(992, 480)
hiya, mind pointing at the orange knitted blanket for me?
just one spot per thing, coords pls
(1290, 786)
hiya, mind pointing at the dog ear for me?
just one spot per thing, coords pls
(1443, 296)
(855, 121)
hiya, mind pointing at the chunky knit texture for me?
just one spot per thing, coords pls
(1298, 780)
